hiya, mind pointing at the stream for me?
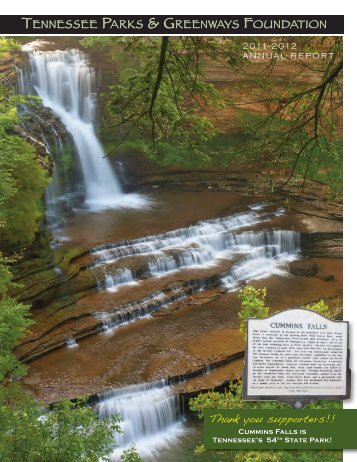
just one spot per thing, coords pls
(149, 310)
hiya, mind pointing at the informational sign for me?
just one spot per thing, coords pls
(273, 429)
(295, 355)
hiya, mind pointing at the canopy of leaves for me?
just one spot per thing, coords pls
(67, 433)
(22, 179)
(14, 320)
(162, 95)
(160, 90)
(7, 44)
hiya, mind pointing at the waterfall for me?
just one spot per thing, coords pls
(199, 246)
(71, 343)
(138, 310)
(209, 232)
(21, 85)
(121, 277)
(57, 195)
(65, 82)
(151, 416)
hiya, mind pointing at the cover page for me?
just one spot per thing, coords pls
(171, 239)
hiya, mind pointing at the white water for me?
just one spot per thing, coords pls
(71, 343)
(209, 232)
(121, 277)
(150, 411)
(151, 417)
(201, 246)
(66, 84)
(141, 309)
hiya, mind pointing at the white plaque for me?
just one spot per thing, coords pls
(295, 355)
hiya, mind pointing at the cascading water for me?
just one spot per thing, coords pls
(198, 247)
(138, 310)
(209, 232)
(150, 411)
(66, 84)
(233, 254)
(151, 416)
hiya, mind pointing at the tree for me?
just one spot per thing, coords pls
(67, 433)
(156, 93)
(162, 91)
(14, 320)
(21, 193)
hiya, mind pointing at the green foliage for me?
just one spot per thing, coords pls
(265, 143)
(8, 44)
(22, 180)
(14, 321)
(64, 159)
(298, 133)
(217, 151)
(67, 433)
(320, 307)
(100, 43)
(159, 96)
(5, 277)
(20, 192)
(131, 455)
(229, 399)
(173, 120)
(253, 305)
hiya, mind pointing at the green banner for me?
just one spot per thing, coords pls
(280, 429)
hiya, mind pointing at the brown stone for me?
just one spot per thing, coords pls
(303, 268)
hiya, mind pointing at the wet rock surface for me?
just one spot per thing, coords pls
(181, 328)
(310, 198)
(303, 268)
(322, 244)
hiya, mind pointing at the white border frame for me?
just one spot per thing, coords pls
(141, 7)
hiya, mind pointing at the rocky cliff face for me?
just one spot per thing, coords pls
(38, 123)
(38, 130)
(9, 71)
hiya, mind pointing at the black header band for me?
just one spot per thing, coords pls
(171, 25)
